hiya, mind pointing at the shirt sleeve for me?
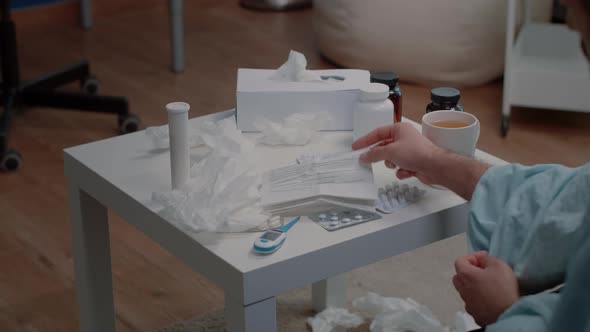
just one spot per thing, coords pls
(532, 218)
(567, 311)
(530, 314)
(573, 310)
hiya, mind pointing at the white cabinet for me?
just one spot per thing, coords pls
(544, 67)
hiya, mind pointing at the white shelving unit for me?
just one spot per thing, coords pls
(544, 67)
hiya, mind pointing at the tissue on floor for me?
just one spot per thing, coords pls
(397, 315)
(276, 94)
(296, 129)
(331, 318)
(388, 314)
(225, 196)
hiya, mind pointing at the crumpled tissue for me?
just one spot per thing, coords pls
(296, 129)
(390, 314)
(294, 70)
(331, 318)
(225, 196)
(397, 315)
(161, 140)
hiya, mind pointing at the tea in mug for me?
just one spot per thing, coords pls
(450, 124)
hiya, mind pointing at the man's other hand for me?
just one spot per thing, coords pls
(486, 284)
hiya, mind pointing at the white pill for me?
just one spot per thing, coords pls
(334, 218)
(322, 216)
(334, 223)
(408, 196)
(387, 205)
(394, 204)
(392, 199)
(390, 195)
(346, 220)
(358, 217)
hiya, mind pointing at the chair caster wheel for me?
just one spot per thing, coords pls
(128, 123)
(10, 161)
(505, 126)
(89, 85)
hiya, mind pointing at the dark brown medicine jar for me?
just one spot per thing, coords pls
(444, 99)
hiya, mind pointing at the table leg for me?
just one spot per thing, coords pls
(86, 14)
(176, 34)
(255, 317)
(330, 292)
(92, 262)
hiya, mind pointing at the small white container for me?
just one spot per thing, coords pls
(179, 147)
(373, 110)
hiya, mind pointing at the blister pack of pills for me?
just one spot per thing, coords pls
(394, 196)
(338, 218)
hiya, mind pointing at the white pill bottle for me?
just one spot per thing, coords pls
(373, 110)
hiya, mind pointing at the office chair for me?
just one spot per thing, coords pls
(42, 92)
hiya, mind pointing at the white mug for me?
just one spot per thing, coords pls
(461, 140)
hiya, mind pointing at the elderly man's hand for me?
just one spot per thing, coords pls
(399, 145)
(486, 284)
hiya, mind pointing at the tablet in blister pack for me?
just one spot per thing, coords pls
(342, 217)
(394, 196)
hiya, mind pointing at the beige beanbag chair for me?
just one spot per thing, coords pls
(435, 42)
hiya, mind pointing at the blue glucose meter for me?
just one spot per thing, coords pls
(271, 240)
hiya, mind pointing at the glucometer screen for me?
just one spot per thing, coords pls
(271, 236)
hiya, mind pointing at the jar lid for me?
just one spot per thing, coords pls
(445, 95)
(177, 107)
(374, 92)
(388, 78)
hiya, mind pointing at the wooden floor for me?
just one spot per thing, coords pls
(129, 52)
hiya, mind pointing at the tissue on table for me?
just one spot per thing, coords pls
(296, 129)
(295, 70)
(161, 140)
(276, 94)
(223, 193)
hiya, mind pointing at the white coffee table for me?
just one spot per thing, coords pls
(120, 173)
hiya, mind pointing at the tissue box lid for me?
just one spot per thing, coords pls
(258, 80)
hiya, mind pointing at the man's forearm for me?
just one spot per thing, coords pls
(457, 173)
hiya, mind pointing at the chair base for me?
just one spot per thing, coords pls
(42, 93)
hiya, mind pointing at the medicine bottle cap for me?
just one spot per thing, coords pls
(388, 78)
(445, 95)
(177, 107)
(374, 92)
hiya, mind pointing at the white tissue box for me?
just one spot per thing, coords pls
(260, 97)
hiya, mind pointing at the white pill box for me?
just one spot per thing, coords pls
(258, 96)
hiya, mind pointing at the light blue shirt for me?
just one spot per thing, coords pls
(537, 219)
